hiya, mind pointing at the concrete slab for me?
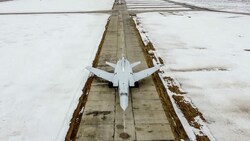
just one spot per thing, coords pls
(124, 128)
(150, 117)
(121, 116)
(101, 89)
(147, 105)
(101, 96)
(144, 95)
(156, 132)
(98, 117)
(99, 105)
(96, 133)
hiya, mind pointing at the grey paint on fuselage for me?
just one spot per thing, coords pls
(123, 77)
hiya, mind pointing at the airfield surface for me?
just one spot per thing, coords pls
(103, 118)
(201, 89)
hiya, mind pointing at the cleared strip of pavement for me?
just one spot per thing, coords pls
(103, 118)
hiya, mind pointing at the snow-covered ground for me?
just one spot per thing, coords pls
(42, 61)
(42, 72)
(225, 5)
(208, 53)
(54, 5)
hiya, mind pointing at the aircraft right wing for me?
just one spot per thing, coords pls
(145, 73)
(100, 73)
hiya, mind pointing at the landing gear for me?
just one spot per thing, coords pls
(136, 84)
(111, 85)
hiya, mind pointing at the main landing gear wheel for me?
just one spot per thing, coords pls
(110, 85)
(136, 84)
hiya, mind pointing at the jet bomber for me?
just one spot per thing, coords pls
(123, 77)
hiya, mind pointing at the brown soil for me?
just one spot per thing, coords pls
(172, 86)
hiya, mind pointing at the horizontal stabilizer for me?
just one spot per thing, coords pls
(111, 64)
(135, 64)
(100, 73)
(145, 73)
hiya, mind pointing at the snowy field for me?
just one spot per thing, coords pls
(208, 53)
(225, 5)
(42, 72)
(55, 5)
(42, 61)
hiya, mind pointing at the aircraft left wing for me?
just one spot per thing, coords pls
(145, 73)
(100, 73)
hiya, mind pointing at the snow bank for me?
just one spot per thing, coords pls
(42, 72)
(55, 5)
(225, 5)
(208, 54)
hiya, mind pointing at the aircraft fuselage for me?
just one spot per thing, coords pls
(123, 72)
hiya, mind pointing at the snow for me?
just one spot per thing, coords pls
(224, 5)
(207, 53)
(160, 9)
(55, 5)
(42, 71)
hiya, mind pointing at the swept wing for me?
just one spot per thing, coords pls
(145, 73)
(100, 73)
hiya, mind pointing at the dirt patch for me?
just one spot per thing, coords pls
(77, 115)
(172, 86)
(124, 135)
(188, 110)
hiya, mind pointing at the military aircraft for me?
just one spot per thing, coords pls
(123, 77)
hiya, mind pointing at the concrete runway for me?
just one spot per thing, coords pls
(103, 118)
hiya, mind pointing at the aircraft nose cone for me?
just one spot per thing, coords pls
(124, 102)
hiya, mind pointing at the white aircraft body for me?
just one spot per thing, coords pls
(123, 77)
